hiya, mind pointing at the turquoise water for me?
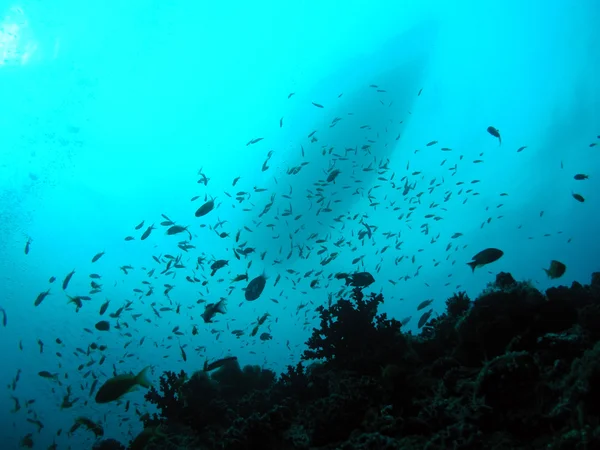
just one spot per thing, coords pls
(111, 113)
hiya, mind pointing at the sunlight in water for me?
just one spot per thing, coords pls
(15, 45)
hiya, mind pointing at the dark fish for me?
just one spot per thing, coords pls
(103, 325)
(40, 298)
(176, 229)
(219, 263)
(214, 308)
(254, 141)
(359, 279)
(27, 246)
(67, 279)
(556, 270)
(52, 280)
(104, 307)
(494, 132)
(140, 225)
(333, 175)
(87, 423)
(218, 363)
(487, 256)
(581, 176)
(520, 149)
(265, 337)
(318, 105)
(120, 385)
(97, 257)
(4, 317)
(46, 374)
(424, 318)
(290, 94)
(255, 287)
(205, 208)
(424, 304)
(578, 197)
(147, 232)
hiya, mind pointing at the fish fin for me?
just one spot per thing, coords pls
(547, 272)
(221, 307)
(142, 378)
(472, 264)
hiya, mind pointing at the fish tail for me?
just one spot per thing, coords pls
(142, 378)
(472, 264)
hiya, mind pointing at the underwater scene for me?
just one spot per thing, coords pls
(315, 225)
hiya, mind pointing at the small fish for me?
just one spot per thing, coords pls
(255, 287)
(40, 298)
(487, 256)
(265, 337)
(138, 227)
(28, 245)
(424, 304)
(176, 229)
(556, 270)
(494, 132)
(147, 232)
(520, 149)
(87, 423)
(50, 376)
(290, 95)
(205, 208)
(254, 141)
(97, 256)
(218, 264)
(581, 176)
(359, 279)
(578, 197)
(114, 388)
(67, 279)
(212, 309)
(218, 363)
(333, 175)
(4, 317)
(318, 105)
(103, 325)
(104, 307)
(424, 318)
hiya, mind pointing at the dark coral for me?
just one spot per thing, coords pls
(515, 369)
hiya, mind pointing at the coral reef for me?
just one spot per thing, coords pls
(513, 369)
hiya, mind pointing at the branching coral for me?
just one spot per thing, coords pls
(513, 369)
(352, 336)
(169, 401)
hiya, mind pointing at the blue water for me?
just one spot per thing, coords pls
(108, 113)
